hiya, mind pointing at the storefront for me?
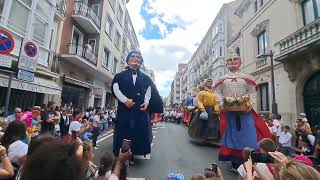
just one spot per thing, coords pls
(27, 94)
(75, 93)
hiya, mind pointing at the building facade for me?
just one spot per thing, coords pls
(40, 22)
(82, 45)
(177, 87)
(293, 37)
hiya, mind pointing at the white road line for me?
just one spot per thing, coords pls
(152, 144)
(104, 138)
(131, 178)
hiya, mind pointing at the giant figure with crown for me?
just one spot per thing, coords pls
(240, 125)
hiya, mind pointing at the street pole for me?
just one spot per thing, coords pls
(8, 94)
(274, 104)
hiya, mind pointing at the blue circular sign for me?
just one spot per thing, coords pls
(6, 42)
(30, 49)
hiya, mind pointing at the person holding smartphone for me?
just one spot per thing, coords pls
(138, 98)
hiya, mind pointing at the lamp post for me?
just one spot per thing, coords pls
(274, 104)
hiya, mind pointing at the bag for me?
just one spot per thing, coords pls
(204, 116)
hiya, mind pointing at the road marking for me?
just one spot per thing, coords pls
(152, 144)
(104, 138)
(131, 178)
(154, 137)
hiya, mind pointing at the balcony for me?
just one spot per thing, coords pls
(80, 56)
(261, 63)
(60, 6)
(86, 17)
(298, 41)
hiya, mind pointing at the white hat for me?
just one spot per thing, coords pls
(303, 114)
(304, 120)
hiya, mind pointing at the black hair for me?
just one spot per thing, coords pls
(16, 130)
(61, 163)
(38, 141)
(106, 163)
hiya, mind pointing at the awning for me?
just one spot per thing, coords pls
(77, 82)
(39, 85)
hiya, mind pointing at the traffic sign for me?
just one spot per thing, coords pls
(30, 49)
(5, 61)
(28, 56)
(25, 75)
(6, 42)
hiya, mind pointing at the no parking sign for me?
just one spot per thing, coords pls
(28, 56)
(6, 42)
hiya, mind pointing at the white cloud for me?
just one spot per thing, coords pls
(193, 18)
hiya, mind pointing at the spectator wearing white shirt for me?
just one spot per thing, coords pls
(12, 117)
(96, 128)
(285, 141)
(272, 128)
(75, 128)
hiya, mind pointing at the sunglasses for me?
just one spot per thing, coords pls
(136, 56)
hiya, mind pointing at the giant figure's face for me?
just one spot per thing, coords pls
(135, 61)
(208, 83)
(234, 64)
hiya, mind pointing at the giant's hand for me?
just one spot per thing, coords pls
(129, 103)
(144, 106)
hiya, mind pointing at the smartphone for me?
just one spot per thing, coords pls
(261, 158)
(126, 145)
(214, 168)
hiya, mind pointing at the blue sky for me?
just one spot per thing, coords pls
(169, 31)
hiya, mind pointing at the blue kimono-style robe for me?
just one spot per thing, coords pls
(134, 124)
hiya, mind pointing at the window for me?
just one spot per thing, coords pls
(221, 27)
(120, 14)
(109, 26)
(237, 51)
(1, 6)
(115, 65)
(258, 4)
(117, 41)
(112, 3)
(262, 43)
(39, 30)
(106, 58)
(96, 8)
(311, 10)
(264, 97)
(19, 16)
(220, 51)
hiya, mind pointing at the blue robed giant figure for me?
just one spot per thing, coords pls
(137, 98)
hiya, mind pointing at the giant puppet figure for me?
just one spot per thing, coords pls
(240, 125)
(138, 98)
(205, 129)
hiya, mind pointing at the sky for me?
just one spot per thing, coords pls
(169, 32)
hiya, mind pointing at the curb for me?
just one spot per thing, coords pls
(105, 134)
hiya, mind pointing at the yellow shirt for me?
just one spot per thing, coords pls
(207, 98)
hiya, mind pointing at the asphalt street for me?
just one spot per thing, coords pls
(172, 151)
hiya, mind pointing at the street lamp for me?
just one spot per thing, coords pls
(274, 104)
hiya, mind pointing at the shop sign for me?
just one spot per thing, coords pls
(25, 75)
